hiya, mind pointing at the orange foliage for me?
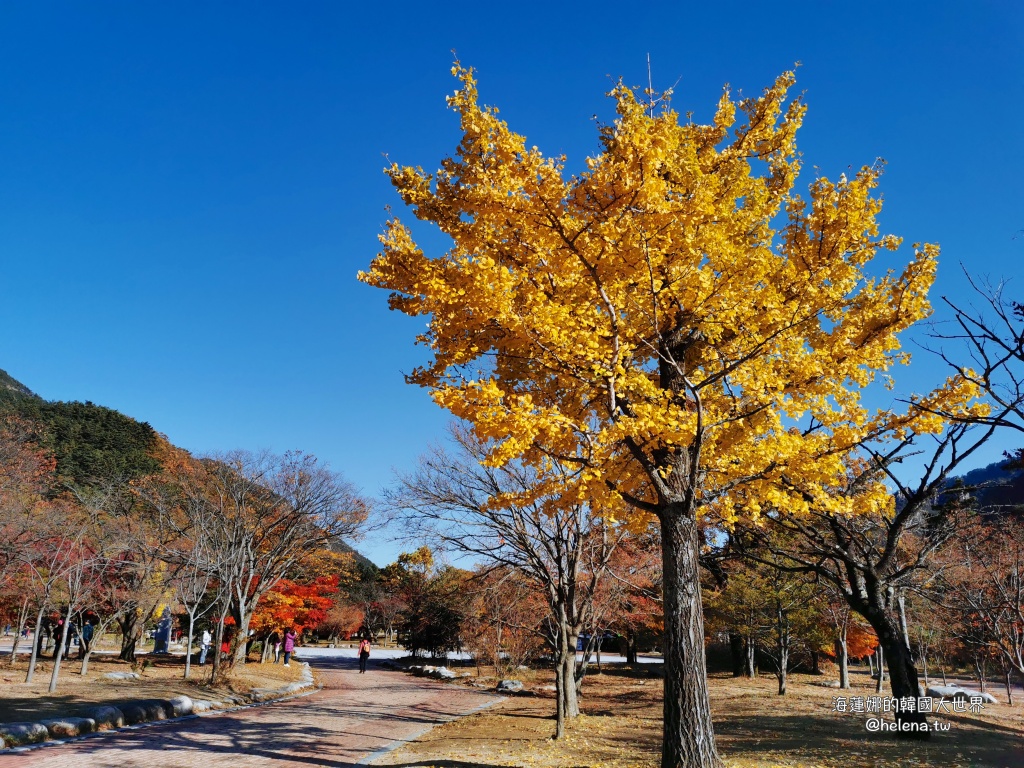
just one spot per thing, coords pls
(290, 604)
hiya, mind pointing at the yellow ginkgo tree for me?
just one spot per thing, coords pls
(674, 321)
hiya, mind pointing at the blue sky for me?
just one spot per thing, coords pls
(188, 190)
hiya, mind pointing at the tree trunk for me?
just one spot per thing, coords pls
(243, 637)
(843, 659)
(880, 659)
(188, 645)
(58, 653)
(736, 651)
(783, 667)
(218, 640)
(782, 648)
(815, 663)
(631, 644)
(979, 667)
(902, 673)
(871, 665)
(565, 679)
(22, 620)
(37, 638)
(751, 658)
(98, 632)
(902, 610)
(131, 632)
(689, 736)
(1009, 686)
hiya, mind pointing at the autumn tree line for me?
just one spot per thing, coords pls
(104, 522)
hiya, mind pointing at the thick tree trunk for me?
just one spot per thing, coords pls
(131, 632)
(567, 705)
(903, 679)
(751, 658)
(689, 736)
(736, 651)
(630, 648)
(815, 663)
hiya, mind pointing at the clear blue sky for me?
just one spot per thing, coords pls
(187, 190)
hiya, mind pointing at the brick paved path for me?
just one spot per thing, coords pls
(350, 719)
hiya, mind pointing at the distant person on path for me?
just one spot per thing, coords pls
(289, 645)
(204, 646)
(364, 654)
(275, 642)
(85, 639)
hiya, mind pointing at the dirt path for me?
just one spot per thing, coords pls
(353, 717)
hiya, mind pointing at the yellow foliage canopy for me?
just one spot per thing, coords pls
(675, 320)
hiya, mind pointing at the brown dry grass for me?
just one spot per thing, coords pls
(755, 728)
(161, 678)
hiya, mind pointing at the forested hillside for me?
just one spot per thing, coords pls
(90, 442)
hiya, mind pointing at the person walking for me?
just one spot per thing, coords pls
(364, 654)
(289, 645)
(204, 647)
(85, 639)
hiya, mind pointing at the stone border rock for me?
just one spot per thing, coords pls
(137, 712)
(504, 687)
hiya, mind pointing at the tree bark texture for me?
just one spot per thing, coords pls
(131, 632)
(903, 680)
(689, 733)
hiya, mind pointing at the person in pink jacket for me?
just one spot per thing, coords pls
(289, 645)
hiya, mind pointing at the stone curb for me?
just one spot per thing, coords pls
(138, 711)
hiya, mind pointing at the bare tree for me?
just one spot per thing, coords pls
(192, 578)
(260, 514)
(871, 558)
(563, 545)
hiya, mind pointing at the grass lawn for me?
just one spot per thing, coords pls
(621, 726)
